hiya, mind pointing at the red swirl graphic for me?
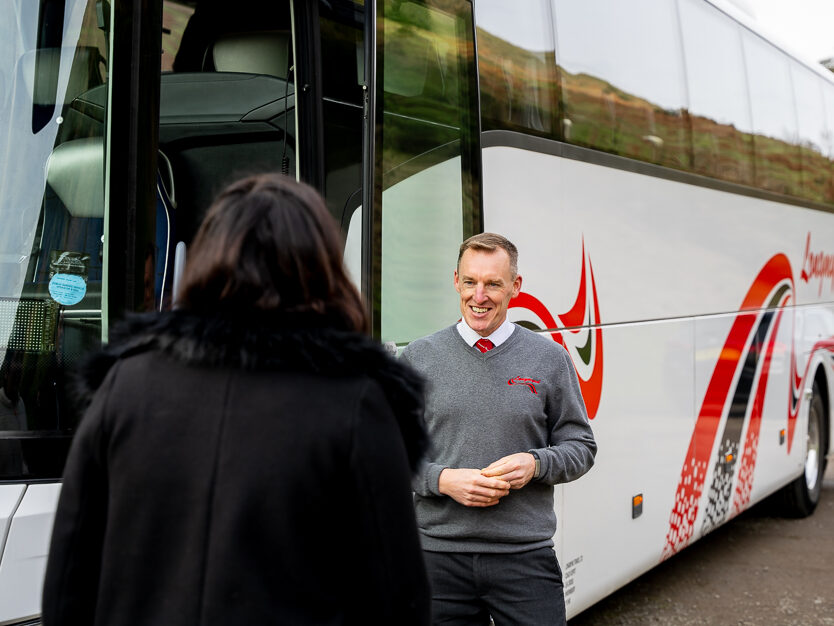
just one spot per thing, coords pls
(694, 471)
(574, 321)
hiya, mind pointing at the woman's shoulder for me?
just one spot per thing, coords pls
(258, 343)
(254, 342)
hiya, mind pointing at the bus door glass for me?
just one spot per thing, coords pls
(228, 108)
(53, 121)
(227, 102)
(427, 160)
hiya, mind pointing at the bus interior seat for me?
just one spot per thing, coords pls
(75, 172)
(71, 223)
(259, 52)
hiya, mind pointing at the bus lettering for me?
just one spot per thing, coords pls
(817, 265)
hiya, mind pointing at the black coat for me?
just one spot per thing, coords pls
(234, 471)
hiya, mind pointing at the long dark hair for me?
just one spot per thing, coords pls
(268, 244)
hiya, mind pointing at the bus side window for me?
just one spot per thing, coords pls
(719, 109)
(622, 78)
(517, 67)
(813, 134)
(828, 144)
(775, 146)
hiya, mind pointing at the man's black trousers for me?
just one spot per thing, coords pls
(518, 588)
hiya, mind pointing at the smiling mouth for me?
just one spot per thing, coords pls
(479, 309)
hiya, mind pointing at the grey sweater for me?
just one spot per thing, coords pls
(521, 396)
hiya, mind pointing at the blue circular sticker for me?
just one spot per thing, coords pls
(67, 289)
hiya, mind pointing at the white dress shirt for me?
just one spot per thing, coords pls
(501, 334)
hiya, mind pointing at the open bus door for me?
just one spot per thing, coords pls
(422, 162)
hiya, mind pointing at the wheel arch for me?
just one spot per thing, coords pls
(822, 383)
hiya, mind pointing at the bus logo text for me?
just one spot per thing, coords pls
(817, 265)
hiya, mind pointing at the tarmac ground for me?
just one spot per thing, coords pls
(757, 570)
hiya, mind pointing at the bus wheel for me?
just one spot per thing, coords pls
(800, 497)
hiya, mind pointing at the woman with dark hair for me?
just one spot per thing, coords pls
(246, 458)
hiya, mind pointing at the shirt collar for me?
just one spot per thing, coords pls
(501, 334)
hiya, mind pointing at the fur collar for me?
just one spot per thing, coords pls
(266, 342)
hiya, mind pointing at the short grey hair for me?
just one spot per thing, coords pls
(490, 242)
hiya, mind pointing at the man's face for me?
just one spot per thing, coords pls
(486, 286)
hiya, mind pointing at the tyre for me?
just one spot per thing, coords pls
(800, 497)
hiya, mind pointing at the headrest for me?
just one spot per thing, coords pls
(75, 171)
(265, 52)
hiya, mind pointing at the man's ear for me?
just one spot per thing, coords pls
(456, 283)
(516, 286)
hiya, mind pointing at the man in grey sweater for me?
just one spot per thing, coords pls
(507, 422)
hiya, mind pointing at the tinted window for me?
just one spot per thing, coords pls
(828, 144)
(722, 145)
(52, 127)
(622, 78)
(774, 117)
(227, 106)
(814, 137)
(516, 65)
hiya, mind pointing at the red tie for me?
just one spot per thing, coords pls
(484, 345)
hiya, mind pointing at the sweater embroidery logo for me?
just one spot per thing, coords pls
(531, 384)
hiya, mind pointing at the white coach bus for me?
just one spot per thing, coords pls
(666, 171)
